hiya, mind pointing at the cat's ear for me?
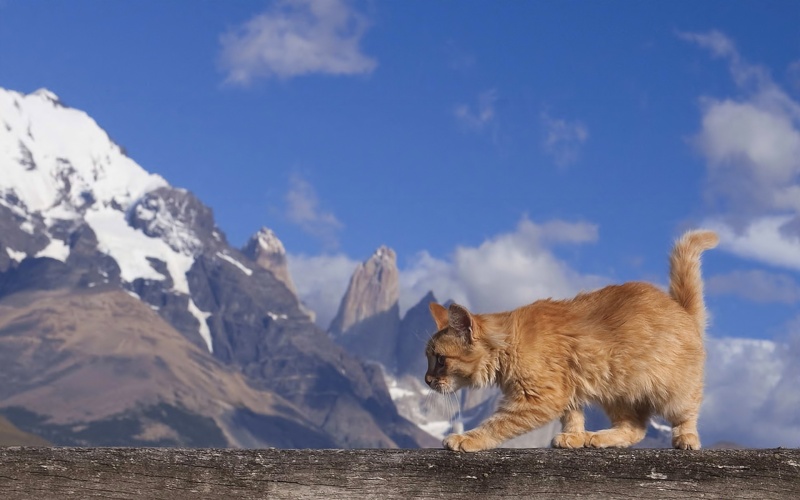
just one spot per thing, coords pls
(439, 314)
(460, 320)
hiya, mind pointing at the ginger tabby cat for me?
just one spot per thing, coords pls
(632, 349)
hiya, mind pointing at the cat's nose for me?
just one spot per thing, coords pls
(428, 379)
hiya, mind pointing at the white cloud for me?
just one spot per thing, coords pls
(765, 239)
(504, 272)
(563, 139)
(479, 116)
(756, 286)
(294, 38)
(753, 154)
(752, 394)
(752, 147)
(719, 44)
(302, 208)
(321, 282)
(752, 143)
(744, 73)
(784, 400)
(740, 373)
(764, 141)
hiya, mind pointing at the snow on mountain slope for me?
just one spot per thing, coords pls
(59, 162)
(60, 169)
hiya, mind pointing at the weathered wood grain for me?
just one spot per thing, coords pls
(136, 473)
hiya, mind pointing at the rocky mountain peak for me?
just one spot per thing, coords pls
(267, 251)
(268, 242)
(368, 319)
(384, 256)
(374, 289)
(49, 95)
(177, 217)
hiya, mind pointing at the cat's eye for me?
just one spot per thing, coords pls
(439, 360)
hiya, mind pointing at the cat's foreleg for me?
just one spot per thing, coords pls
(513, 418)
(573, 430)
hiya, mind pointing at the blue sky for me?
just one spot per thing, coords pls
(505, 150)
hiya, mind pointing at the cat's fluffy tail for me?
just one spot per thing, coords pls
(685, 281)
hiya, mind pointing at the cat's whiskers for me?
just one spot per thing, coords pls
(445, 403)
(458, 407)
(421, 334)
(437, 406)
(453, 404)
(428, 404)
(448, 404)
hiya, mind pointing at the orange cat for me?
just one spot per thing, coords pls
(631, 349)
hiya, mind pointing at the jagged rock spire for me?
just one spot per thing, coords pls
(368, 317)
(267, 251)
(374, 289)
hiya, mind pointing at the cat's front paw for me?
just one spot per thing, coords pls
(570, 440)
(464, 442)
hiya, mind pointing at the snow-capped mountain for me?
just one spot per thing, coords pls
(78, 218)
(83, 168)
(59, 166)
(61, 171)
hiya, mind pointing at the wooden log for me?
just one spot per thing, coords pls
(164, 473)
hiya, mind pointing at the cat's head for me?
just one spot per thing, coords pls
(458, 353)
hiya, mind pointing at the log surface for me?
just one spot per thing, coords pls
(164, 473)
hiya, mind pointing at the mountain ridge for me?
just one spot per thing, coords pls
(84, 220)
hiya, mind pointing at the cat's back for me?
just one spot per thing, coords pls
(627, 301)
(638, 312)
(636, 307)
(631, 293)
(634, 310)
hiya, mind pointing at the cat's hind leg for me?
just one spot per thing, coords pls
(683, 415)
(628, 427)
(573, 433)
(685, 436)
